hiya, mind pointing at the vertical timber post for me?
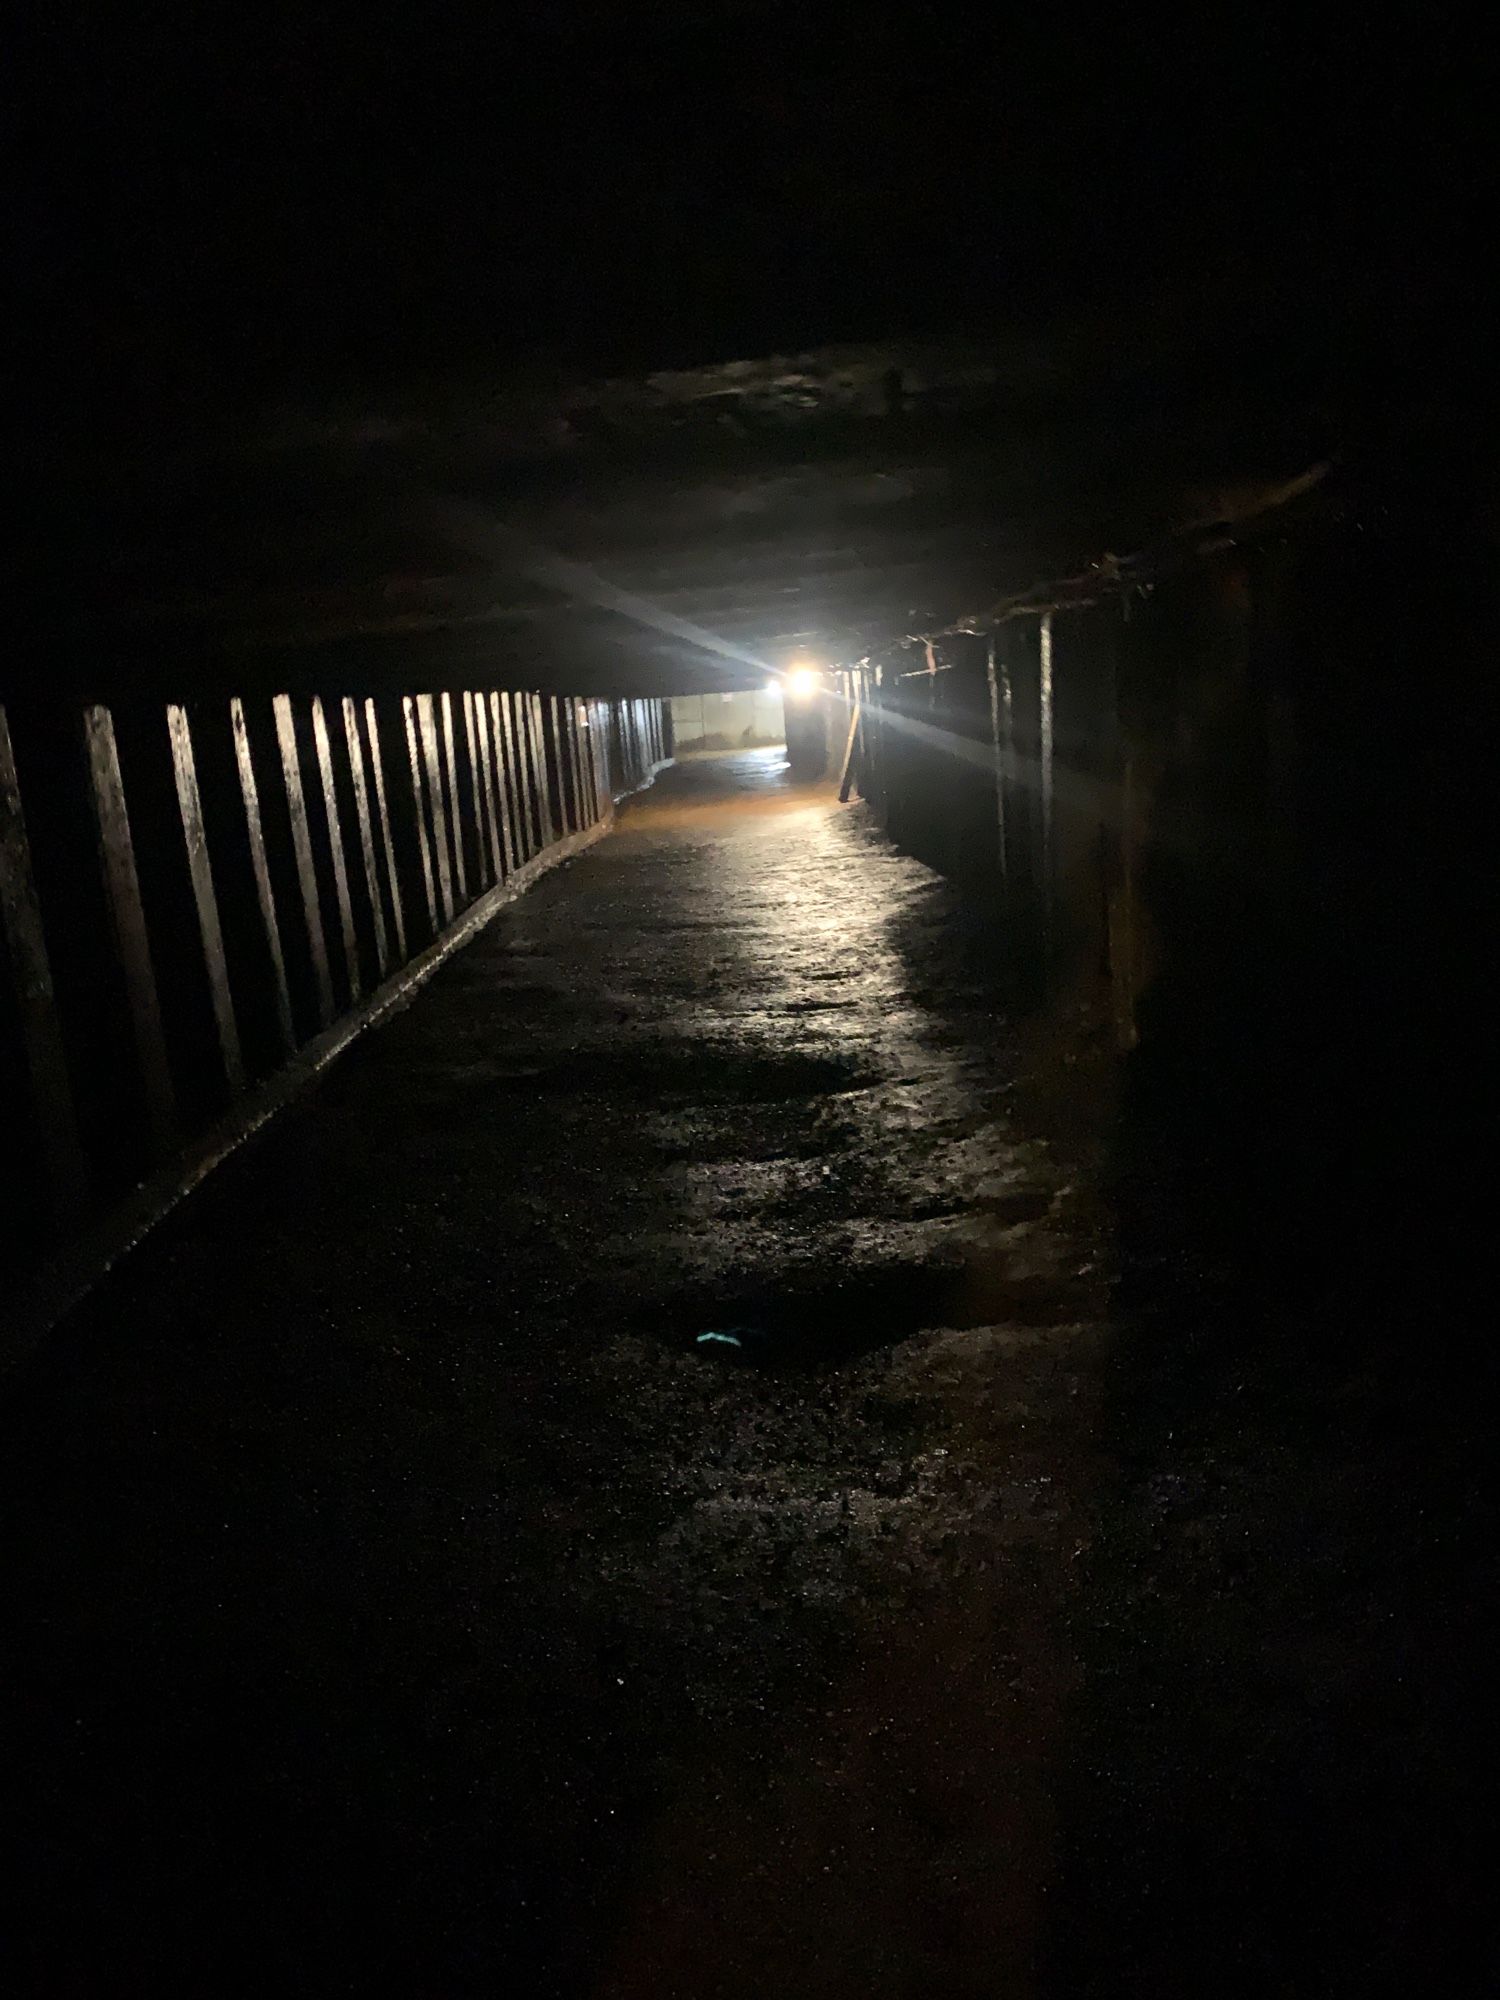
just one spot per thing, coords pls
(312, 916)
(366, 833)
(486, 783)
(526, 797)
(997, 748)
(525, 774)
(483, 833)
(1045, 732)
(510, 827)
(596, 760)
(846, 769)
(264, 895)
(582, 790)
(455, 806)
(569, 805)
(128, 920)
(388, 847)
(408, 709)
(427, 723)
(36, 1002)
(593, 749)
(324, 750)
(210, 934)
(544, 787)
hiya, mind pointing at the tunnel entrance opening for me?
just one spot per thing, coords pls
(716, 720)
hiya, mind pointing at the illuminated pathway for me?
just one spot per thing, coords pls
(408, 1595)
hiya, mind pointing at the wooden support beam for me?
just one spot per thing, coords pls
(539, 753)
(36, 1002)
(455, 802)
(479, 704)
(598, 766)
(1045, 730)
(846, 778)
(555, 720)
(200, 872)
(526, 789)
(573, 734)
(324, 752)
(388, 848)
(505, 769)
(260, 868)
(128, 920)
(424, 844)
(999, 718)
(428, 728)
(307, 881)
(366, 833)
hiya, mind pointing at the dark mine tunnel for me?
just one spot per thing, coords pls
(742, 831)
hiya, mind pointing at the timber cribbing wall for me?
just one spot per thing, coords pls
(1232, 791)
(195, 896)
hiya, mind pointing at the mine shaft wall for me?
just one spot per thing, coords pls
(1233, 822)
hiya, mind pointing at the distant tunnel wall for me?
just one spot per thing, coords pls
(193, 897)
(1243, 817)
(746, 720)
(1008, 765)
(1216, 798)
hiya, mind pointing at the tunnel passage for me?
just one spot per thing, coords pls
(1090, 1512)
(425, 1604)
(401, 1589)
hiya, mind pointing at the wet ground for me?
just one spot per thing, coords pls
(402, 1596)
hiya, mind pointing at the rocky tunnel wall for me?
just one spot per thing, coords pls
(1235, 749)
(1231, 820)
(196, 899)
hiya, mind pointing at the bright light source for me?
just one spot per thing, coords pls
(802, 683)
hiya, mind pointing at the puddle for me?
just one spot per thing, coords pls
(817, 1327)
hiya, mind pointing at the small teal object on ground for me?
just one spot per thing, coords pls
(742, 1337)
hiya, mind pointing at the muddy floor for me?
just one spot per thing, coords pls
(404, 1595)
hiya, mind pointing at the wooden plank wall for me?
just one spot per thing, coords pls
(191, 893)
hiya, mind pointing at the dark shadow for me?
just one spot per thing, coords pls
(822, 1323)
(1275, 1783)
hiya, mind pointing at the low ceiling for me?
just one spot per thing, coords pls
(372, 361)
(658, 533)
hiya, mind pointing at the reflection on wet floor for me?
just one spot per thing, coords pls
(406, 1599)
(405, 1569)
